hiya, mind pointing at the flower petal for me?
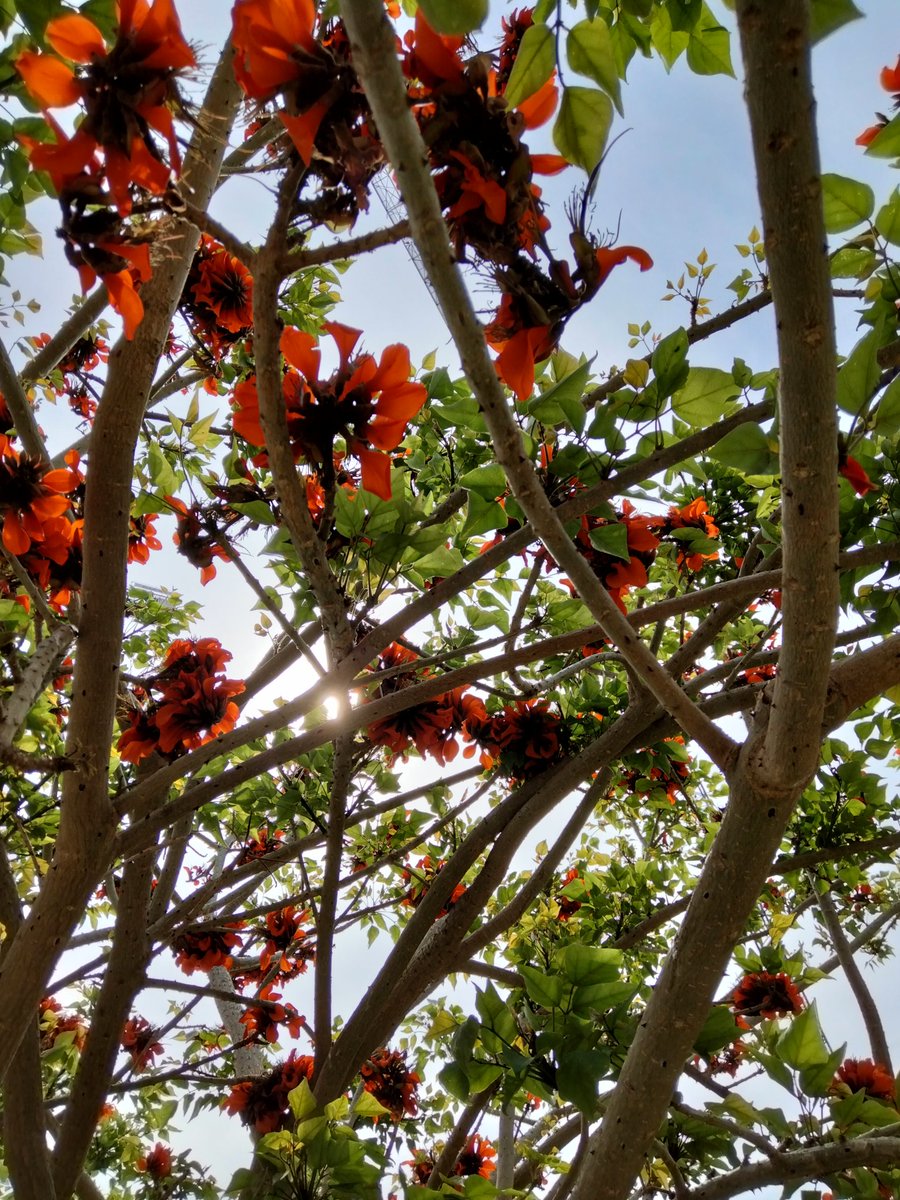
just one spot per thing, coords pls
(76, 38)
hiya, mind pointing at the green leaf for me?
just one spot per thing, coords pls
(601, 997)
(705, 397)
(589, 48)
(483, 516)
(454, 1079)
(847, 202)
(545, 990)
(669, 363)
(886, 143)
(803, 1044)
(818, 1079)
(568, 394)
(161, 471)
(668, 43)
(454, 16)
(488, 481)
(35, 14)
(746, 449)
(589, 964)
(367, 1106)
(859, 375)
(611, 539)
(709, 47)
(887, 414)
(582, 126)
(888, 220)
(853, 262)
(533, 66)
(302, 1101)
(828, 15)
(718, 1030)
(578, 1075)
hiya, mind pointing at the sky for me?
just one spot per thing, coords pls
(680, 180)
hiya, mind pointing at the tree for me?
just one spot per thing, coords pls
(650, 610)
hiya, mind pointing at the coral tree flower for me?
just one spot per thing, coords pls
(139, 1040)
(386, 1076)
(856, 476)
(263, 1103)
(477, 1157)
(30, 497)
(203, 949)
(158, 1163)
(366, 403)
(126, 90)
(890, 81)
(864, 1075)
(762, 994)
(194, 702)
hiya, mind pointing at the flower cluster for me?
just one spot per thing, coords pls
(524, 738)
(566, 902)
(157, 1163)
(217, 298)
(139, 1040)
(54, 1023)
(203, 949)
(114, 157)
(287, 942)
(478, 1157)
(864, 1075)
(192, 702)
(386, 1076)
(365, 403)
(260, 843)
(662, 768)
(419, 880)
(762, 994)
(71, 377)
(263, 1103)
(261, 1021)
(890, 81)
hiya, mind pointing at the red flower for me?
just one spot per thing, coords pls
(126, 90)
(30, 496)
(142, 538)
(54, 1023)
(864, 1075)
(259, 845)
(223, 287)
(890, 81)
(158, 1163)
(263, 1103)
(761, 994)
(369, 405)
(420, 879)
(386, 1077)
(261, 1022)
(477, 1157)
(139, 1039)
(285, 935)
(856, 476)
(193, 541)
(694, 515)
(201, 950)
(568, 907)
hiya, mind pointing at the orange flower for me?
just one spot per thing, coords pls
(261, 1022)
(126, 90)
(761, 994)
(856, 476)
(224, 287)
(139, 1040)
(201, 950)
(158, 1163)
(567, 906)
(142, 538)
(864, 1075)
(609, 257)
(693, 516)
(197, 546)
(285, 934)
(421, 877)
(366, 403)
(272, 38)
(263, 1103)
(386, 1076)
(477, 1157)
(29, 497)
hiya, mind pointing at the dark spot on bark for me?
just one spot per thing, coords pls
(706, 895)
(801, 510)
(771, 813)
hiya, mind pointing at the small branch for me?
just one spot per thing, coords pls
(22, 413)
(298, 260)
(794, 1166)
(866, 1004)
(74, 327)
(446, 1160)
